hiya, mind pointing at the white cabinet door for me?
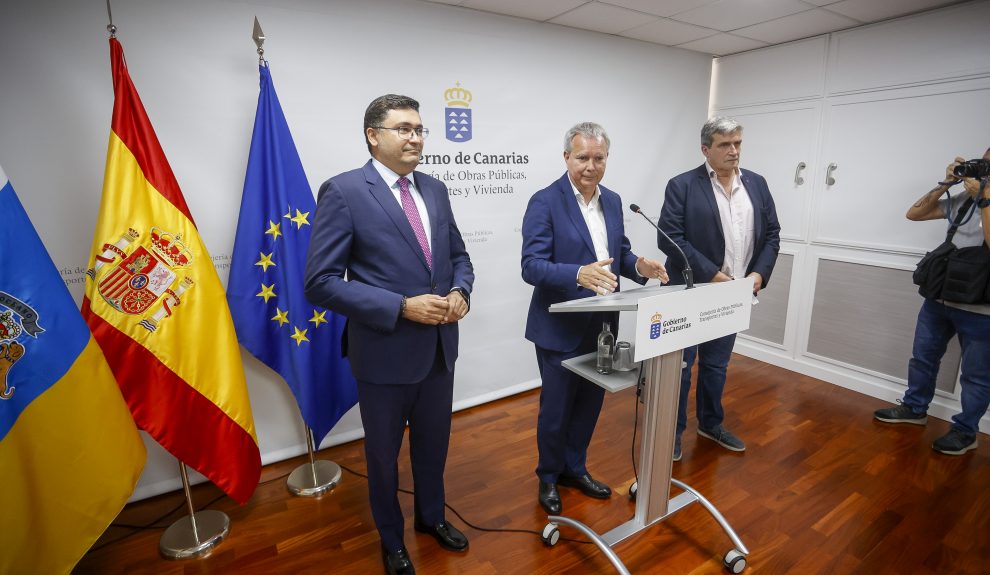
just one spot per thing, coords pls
(784, 73)
(888, 149)
(776, 142)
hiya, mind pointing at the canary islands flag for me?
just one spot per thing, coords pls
(156, 306)
(273, 319)
(70, 453)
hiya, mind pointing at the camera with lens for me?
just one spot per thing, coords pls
(972, 169)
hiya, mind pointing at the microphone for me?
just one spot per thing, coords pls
(687, 272)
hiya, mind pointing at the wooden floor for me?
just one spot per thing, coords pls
(822, 488)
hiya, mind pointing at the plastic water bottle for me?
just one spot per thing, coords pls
(606, 343)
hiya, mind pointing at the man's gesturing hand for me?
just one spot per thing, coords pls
(597, 278)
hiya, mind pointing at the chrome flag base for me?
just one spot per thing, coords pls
(194, 536)
(313, 479)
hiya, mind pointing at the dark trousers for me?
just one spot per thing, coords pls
(937, 324)
(569, 408)
(385, 410)
(713, 361)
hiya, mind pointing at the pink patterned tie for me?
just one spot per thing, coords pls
(412, 214)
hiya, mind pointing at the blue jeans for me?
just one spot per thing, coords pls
(937, 324)
(713, 361)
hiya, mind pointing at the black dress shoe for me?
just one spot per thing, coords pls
(446, 534)
(549, 498)
(587, 485)
(397, 562)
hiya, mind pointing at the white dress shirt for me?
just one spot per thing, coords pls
(594, 216)
(392, 181)
(735, 211)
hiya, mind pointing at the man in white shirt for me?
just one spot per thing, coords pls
(574, 246)
(725, 221)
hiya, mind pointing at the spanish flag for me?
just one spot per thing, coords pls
(156, 306)
(70, 454)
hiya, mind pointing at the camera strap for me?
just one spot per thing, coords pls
(970, 206)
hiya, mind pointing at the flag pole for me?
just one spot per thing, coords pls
(259, 40)
(110, 27)
(314, 478)
(197, 534)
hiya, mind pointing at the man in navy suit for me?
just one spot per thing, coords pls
(724, 219)
(408, 282)
(574, 246)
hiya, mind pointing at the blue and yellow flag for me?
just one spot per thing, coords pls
(265, 291)
(70, 454)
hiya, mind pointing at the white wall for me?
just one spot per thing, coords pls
(889, 105)
(195, 67)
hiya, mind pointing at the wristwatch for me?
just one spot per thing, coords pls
(982, 203)
(464, 293)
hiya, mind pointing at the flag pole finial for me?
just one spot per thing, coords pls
(259, 40)
(110, 27)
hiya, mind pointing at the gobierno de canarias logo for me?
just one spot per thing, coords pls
(656, 325)
(457, 114)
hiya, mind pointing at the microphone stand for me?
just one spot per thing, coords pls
(686, 272)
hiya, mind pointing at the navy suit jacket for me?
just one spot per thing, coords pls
(361, 230)
(690, 217)
(556, 243)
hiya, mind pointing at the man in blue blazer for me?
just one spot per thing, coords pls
(408, 282)
(724, 219)
(574, 246)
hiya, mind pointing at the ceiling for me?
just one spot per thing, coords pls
(716, 27)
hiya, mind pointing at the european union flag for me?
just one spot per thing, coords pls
(265, 290)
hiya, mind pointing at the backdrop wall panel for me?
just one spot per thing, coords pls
(195, 67)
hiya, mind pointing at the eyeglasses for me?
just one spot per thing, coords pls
(406, 132)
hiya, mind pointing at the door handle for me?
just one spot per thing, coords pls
(798, 180)
(829, 180)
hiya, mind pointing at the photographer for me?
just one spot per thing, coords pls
(940, 320)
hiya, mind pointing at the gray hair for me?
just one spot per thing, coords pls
(588, 130)
(718, 125)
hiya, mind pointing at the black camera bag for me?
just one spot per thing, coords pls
(967, 275)
(930, 274)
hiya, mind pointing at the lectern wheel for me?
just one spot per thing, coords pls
(550, 535)
(734, 561)
(633, 489)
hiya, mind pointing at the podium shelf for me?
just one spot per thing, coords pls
(586, 366)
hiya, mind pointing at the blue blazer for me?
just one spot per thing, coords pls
(359, 229)
(690, 217)
(556, 243)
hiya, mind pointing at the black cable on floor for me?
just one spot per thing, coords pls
(472, 525)
(153, 524)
